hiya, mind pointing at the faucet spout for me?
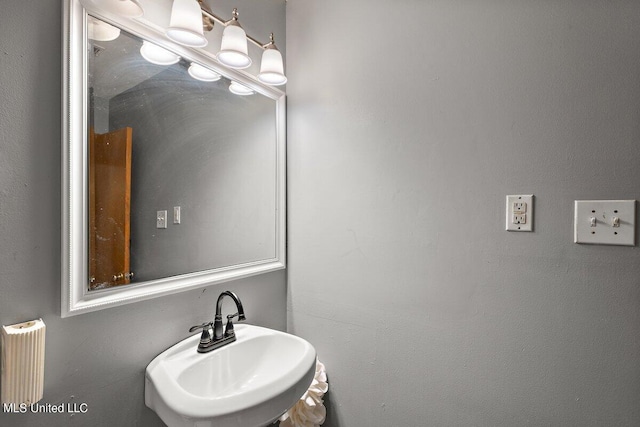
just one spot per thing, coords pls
(218, 333)
(235, 299)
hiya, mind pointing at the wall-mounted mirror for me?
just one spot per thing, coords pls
(173, 180)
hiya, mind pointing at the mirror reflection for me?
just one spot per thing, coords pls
(181, 164)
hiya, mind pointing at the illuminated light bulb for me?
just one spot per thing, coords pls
(204, 74)
(233, 50)
(157, 55)
(101, 31)
(128, 8)
(185, 25)
(240, 89)
(271, 67)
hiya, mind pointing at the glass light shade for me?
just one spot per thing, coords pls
(101, 31)
(199, 72)
(240, 89)
(129, 8)
(233, 51)
(157, 55)
(185, 26)
(271, 68)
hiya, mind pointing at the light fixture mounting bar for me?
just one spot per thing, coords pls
(216, 18)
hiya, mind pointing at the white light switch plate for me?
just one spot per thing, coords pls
(176, 214)
(519, 213)
(161, 219)
(602, 230)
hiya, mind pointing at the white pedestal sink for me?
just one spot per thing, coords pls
(248, 383)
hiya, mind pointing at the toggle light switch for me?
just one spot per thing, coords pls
(605, 222)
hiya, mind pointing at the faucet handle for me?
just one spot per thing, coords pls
(238, 315)
(203, 326)
(228, 330)
(205, 338)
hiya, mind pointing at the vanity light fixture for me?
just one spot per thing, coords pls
(157, 55)
(233, 50)
(204, 74)
(185, 26)
(101, 31)
(271, 67)
(240, 89)
(129, 8)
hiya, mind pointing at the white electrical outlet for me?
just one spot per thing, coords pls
(519, 207)
(519, 218)
(519, 213)
(605, 222)
(161, 219)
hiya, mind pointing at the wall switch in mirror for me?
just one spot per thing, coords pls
(176, 214)
(161, 219)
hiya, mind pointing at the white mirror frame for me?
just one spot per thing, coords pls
(76, 298)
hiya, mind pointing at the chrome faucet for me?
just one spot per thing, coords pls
(212, 336)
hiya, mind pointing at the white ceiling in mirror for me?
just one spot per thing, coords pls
(115, 66)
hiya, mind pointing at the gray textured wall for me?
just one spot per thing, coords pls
(98, 358)
(409, 122)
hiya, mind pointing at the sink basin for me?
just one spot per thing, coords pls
(248, 383)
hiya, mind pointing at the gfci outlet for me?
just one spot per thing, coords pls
(519, 213)
(161, 219)
(605, 222)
